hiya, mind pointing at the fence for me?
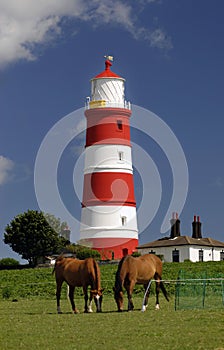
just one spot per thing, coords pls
(198, 291)
(191, 289)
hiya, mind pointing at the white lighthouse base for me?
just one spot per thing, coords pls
(110, 229)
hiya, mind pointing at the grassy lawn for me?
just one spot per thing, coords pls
(34, 324)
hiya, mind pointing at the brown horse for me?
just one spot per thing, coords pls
(139, 270)
(79, 273)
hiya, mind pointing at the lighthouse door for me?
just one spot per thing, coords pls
(125, 251)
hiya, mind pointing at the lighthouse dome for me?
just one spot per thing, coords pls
(107, 89)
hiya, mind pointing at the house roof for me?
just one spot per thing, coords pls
(182, 240)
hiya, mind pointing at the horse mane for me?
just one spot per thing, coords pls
(118, 282)
(97, 274)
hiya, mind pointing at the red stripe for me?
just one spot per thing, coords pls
(108, 126)
(112, 247)
(108, 188)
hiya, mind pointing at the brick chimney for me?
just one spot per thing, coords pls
(196, 227)
(175, 226)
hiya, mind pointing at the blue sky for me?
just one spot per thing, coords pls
(171, 54)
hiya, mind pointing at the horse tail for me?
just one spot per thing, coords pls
(161, 284)
(164, 290)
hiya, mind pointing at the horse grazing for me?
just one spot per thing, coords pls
(79, 273)
(138, 270)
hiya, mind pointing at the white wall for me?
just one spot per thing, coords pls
(209, 253)
(186, 253)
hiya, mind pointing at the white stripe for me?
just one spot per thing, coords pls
(107, 222)
(99, 233)
(100, 158)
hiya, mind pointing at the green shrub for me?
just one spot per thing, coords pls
(8, 262)
(6, 292)
(81, 252)
(84, 253)
(39, 282)
(136, 254)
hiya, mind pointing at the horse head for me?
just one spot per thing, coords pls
(118, 296)
(97, 295)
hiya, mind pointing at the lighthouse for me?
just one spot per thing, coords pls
(108, 217)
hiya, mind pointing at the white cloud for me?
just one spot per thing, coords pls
(26, 23)
(159, 39)
(13, 172)
(6, 166)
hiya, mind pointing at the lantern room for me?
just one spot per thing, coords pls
(107, 90)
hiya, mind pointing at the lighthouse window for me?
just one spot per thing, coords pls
(119, 125)
(121, 155)
(123, 220)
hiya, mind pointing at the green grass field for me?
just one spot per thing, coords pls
(34, 324)
(31, 322)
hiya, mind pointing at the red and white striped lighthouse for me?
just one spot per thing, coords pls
(108, 221)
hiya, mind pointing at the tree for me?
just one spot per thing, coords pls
(31, 236)
(61, 228)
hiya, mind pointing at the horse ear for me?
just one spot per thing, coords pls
(102, 289)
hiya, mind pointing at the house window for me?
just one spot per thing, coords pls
(201, 255)
(121, 155)
(222, 255)
(119, 125)
(123, 220)
(176, 255)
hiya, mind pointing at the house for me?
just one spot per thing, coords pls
(177, 248)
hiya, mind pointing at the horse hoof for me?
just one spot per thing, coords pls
(76, 311)
(143, 308)
(157, 307)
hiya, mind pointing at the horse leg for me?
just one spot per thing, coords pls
(157, 279)
(85, 290)
(90, 302)
(146, 296)
(129, 286)
(71, 298)
(58, 295)
(90, 305)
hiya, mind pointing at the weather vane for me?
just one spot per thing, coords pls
(110, 58)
